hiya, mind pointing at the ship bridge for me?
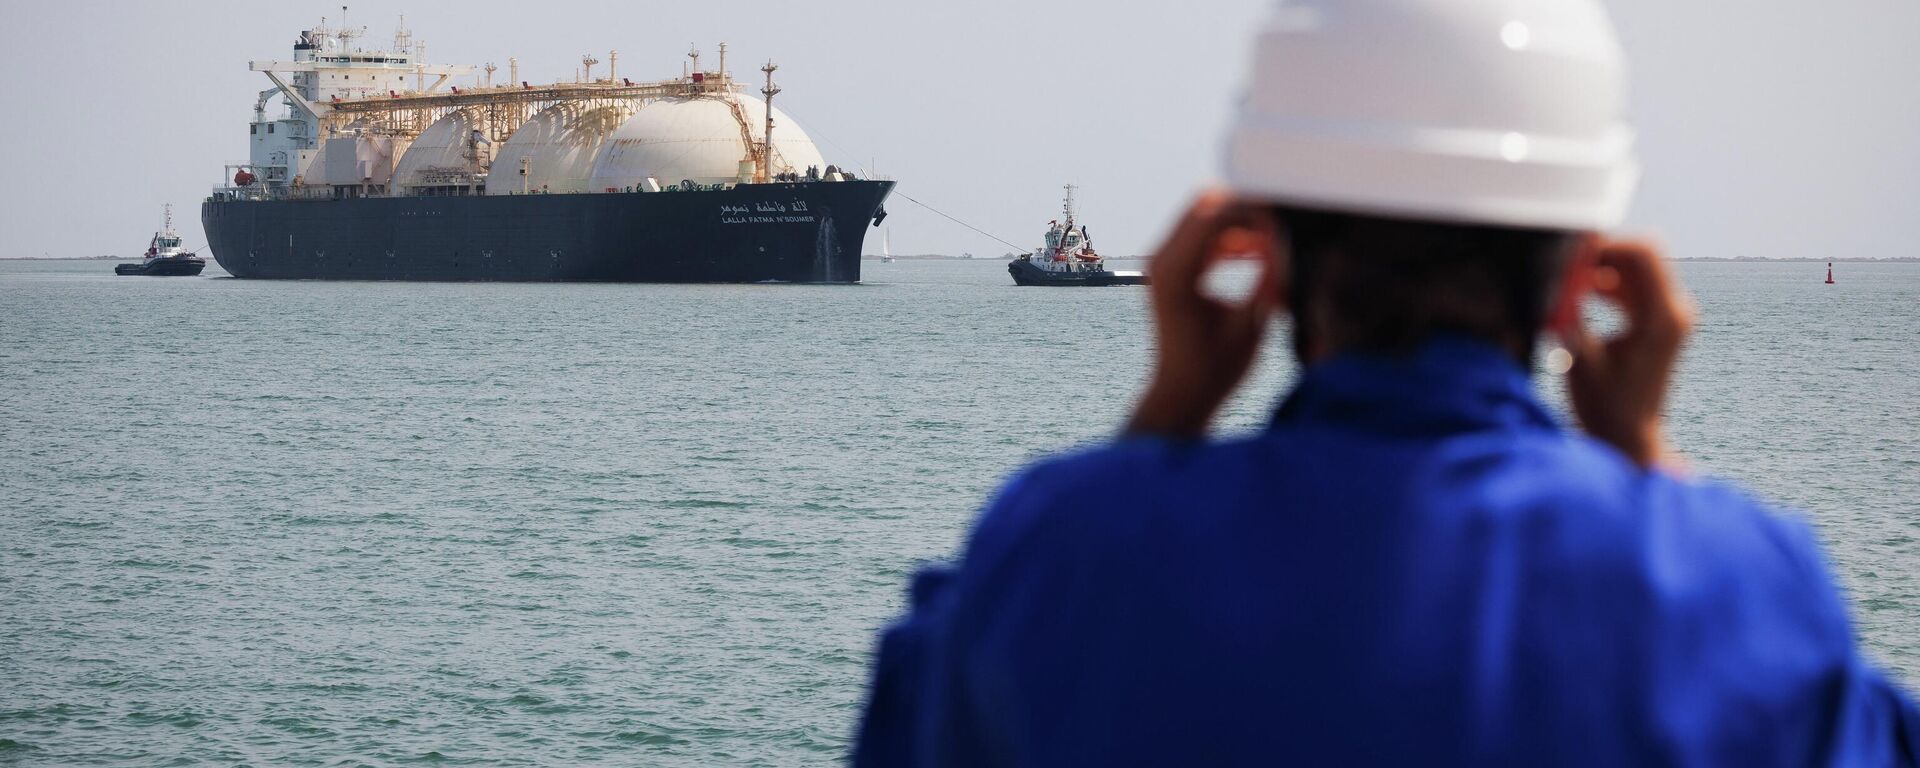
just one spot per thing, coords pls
(329, 66)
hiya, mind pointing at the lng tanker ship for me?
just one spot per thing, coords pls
(382, 169)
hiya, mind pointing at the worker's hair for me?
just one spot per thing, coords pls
(1387, 284)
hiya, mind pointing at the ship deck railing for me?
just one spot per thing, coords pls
(255, 192)
(258, 192)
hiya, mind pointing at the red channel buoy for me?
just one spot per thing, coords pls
(1829, 273)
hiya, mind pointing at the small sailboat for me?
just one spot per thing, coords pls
(164, 257)
(886, 246)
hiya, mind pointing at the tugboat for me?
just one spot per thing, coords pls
(164, 257)
(1068, 259)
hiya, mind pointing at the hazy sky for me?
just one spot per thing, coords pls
(1778, 129)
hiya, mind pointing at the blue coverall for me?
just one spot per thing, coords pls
(1415, 565)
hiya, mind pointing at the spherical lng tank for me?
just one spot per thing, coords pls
(439, 156)
(557, 147)
(698, 140)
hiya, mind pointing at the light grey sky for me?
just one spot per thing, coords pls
(1767, 128)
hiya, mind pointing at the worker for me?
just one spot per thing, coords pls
(1415, 563)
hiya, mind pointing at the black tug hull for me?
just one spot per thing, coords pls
(171, 267)
(1025, 273)
(801, 232)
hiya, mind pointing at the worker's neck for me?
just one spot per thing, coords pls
(1320, 347)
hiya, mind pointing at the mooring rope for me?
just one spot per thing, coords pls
(869, 172)
(1016, 248)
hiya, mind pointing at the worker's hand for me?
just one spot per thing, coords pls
(1618, 385)
(1205, 346)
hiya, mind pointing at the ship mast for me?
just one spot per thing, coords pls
(1068, 206)
(766, 149)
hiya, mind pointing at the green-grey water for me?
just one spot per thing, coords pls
(299, 523)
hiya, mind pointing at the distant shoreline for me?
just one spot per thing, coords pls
(69, 258)
(1688, 259)
(939, 257)
(1799, 260)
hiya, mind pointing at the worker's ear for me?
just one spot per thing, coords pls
(1576, 283)
(1280, 262)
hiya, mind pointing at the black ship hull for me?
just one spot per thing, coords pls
(1025, 273)
(802, 232)
(180, 266)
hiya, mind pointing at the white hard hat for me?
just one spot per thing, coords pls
(1503, 112)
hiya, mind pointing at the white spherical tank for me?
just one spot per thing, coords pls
(557, 147)
(698, 140)
(439, 156)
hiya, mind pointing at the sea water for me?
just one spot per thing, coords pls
(309, 523)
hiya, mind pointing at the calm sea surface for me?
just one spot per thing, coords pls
(300, 523)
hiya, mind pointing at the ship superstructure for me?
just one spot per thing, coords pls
(714, 181)
(328, 69)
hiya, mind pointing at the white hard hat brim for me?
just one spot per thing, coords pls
(1459, 176)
